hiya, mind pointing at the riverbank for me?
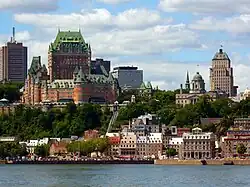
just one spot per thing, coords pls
(203, 162)
(83, 162)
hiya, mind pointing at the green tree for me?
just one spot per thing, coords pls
(171, 152)
(241, 149)
(42, 150)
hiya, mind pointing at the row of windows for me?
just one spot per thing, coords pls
(196, 137)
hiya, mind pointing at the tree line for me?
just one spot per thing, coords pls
(33, 123)
(163, 104)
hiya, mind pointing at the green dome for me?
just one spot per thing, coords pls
(197, 77)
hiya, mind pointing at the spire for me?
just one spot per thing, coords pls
(187, 85)
(187, 80)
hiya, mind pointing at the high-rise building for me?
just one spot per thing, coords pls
(98, 66)
(221, 74)
(128, 77)
(13, 61)
(68, 51)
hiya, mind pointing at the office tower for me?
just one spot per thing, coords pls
(221, 74)
(13, 61)
(128, 77)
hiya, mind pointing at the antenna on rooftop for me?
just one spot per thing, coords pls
(14, 34)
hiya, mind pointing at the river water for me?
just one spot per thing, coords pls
(123, 176)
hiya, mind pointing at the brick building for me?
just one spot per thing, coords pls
(239, 133)
(114, 142)
(91, 134)
(69, 77)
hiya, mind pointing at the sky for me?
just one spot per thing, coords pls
(165, 38)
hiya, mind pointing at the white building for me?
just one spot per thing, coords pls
(198, 145)
(7, 139)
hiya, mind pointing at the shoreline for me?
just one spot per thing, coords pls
(52, 162)
(203, 162)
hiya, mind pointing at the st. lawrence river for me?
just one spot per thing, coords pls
(123, 176)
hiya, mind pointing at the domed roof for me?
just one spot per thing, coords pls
(197, 77)
(221, 55)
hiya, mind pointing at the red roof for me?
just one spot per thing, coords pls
(114, 140)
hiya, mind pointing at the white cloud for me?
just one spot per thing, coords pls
(154, 40)
(29, 5)
(236, 24)
(95, 19)
(206, 6)
(114, 1)
(169, 75)
(23, 36)
(132, 32)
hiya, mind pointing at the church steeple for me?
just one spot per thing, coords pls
(187, 84)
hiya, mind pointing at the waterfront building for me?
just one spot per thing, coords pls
(176, 143)
(127, 148)
(58, 148)
(196, 90)
(221, 74)
(237, 134)
(128, 77)
(114, 142)
(142, 146)
(154, 149)
(13, 61)
(230, 142)
(198, 145)
(60, 83)
(167, 134)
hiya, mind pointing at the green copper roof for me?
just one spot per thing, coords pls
(68, 37)
(149, 85)
(35, 65)
(143, 86)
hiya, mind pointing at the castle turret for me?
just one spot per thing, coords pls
(78, 92)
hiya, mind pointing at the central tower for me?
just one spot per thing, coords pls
(67, 52)
(221, 74)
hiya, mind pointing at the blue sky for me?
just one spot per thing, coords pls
(165, 38)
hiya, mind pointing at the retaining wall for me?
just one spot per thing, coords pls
(198, 162)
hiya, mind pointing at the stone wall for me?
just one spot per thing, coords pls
(198, 162)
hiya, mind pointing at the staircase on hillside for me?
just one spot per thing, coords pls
(112, 121)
